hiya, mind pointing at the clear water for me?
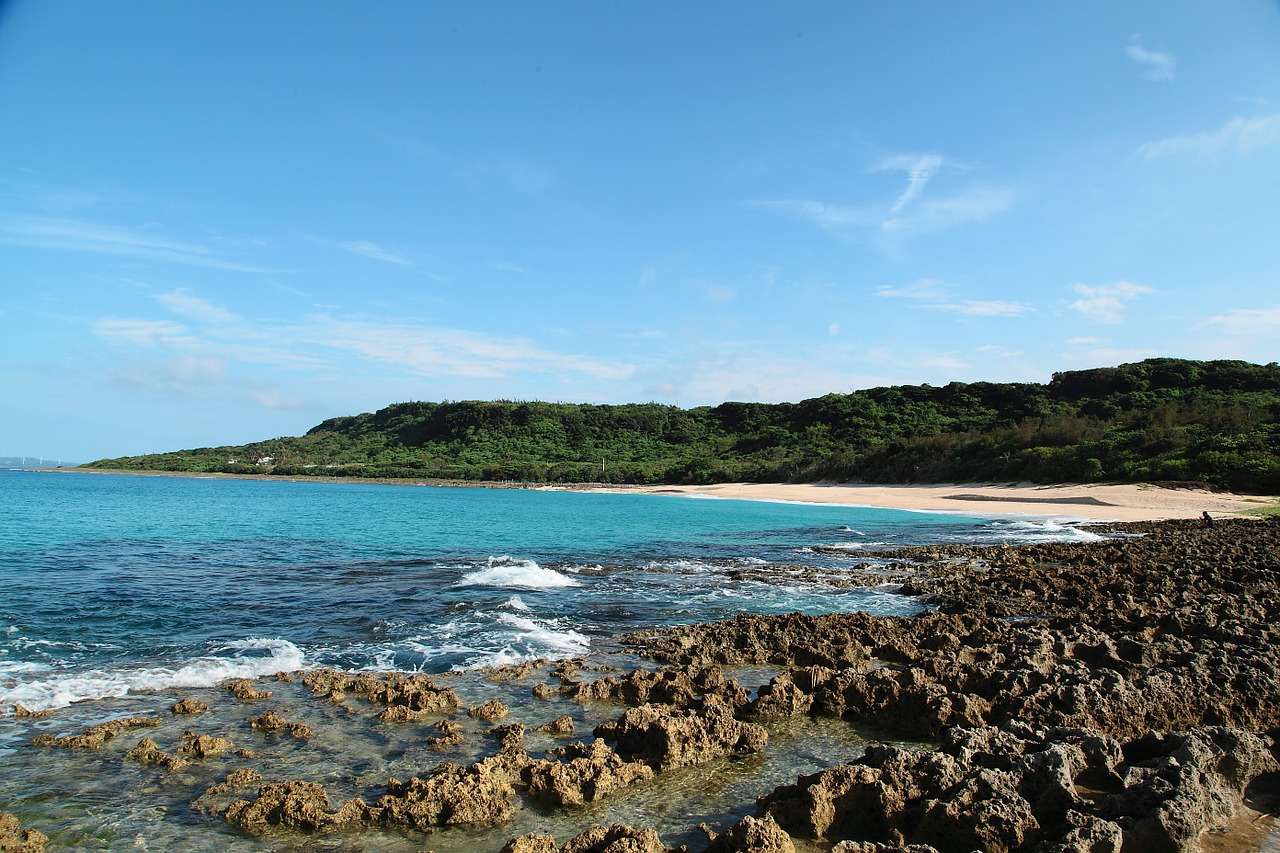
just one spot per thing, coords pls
(118, 593)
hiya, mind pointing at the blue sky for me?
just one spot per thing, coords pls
(222, 222)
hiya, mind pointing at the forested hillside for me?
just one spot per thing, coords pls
(1159, 419)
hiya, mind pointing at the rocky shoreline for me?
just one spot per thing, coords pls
(1118, 695)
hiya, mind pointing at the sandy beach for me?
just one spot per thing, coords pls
(1101, 502)
(1128, 502)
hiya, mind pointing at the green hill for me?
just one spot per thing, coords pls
(1160, 419)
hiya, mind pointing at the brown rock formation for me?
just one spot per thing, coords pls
(244, 690)
(189, 706)
(273, 722)
(665, 737)
(96, 735)
(15, 839)
(589, 773)
(490, 711)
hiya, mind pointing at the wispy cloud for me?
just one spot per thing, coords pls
(187, 375)
(452, 352)
(507, 266)
(977, 204)
(1157, 66)
(185, 303)
(919, 170)
(830, 217)
(143, 333)
(1247, 321)
(934, 295)
(1238, 136)
(373, 251)
(82, 236)
(1105, 303)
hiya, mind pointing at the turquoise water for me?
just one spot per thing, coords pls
(117, 583)
(119, 594)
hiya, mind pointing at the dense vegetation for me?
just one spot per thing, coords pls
(1159, 419)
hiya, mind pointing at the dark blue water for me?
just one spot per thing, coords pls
(110, 583)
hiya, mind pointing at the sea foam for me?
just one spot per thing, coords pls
(264, 656)
(511, 573)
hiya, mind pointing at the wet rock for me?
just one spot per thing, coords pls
(665, 737)
(587, 774)
(753, 835)
(15, 839)
(618, 838)
(148, 752)
(21, 712)
(680, 687)
(451, 795)
(96, 735)
(189, 706)
(217, 797)
(510, 737)
(561, 726)
(406, 698)
(294, 805)
(204, 746)
(532, 843)
(244, 690)
(273, 722)
(491, 711)
(450, 734)
(544, 691)
(515, 671)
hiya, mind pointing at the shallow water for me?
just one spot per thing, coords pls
(121, 592)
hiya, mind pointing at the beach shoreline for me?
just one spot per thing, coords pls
(1093, 502)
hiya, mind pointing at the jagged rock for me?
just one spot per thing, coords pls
(1180, 784)
(664, 737)
(588, 774)
(779, 699)
(544, 691)
(204, 746)
(214, 795)
(451, 795)
(244, 690)
(189, 706)
(532, 843)
(21, 712)
(273, 722)
(95, 735)
(15, 839)
(510, 737)
(618, 838)
(294, 805)
(490, 711)
(753, 835)
(561, 726)
(406, 698)
(679, 687)
(450, 734)
(877, 847)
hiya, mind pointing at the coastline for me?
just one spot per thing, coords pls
(1094, 502)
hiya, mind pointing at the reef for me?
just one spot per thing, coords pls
(1114, 695)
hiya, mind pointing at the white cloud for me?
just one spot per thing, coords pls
(80, 236)
(373, 251)
(276, 399)
(507, 266)
(449, 352)
(1238, 136)
(919, 170)
(185, 303)
(143, 333)
(1155, 65)
(831, 217)
(1085, 341)
(976, 205)
(933, 295)
(184, 375)
(1105, 303)
(833, 330)
(1247, 321)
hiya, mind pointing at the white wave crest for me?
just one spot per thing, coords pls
(62, 689)
(516, 574)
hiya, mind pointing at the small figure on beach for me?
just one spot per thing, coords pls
(1208, 519)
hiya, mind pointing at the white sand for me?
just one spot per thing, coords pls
(1099, 502)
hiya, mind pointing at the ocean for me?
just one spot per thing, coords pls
(119, 592)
